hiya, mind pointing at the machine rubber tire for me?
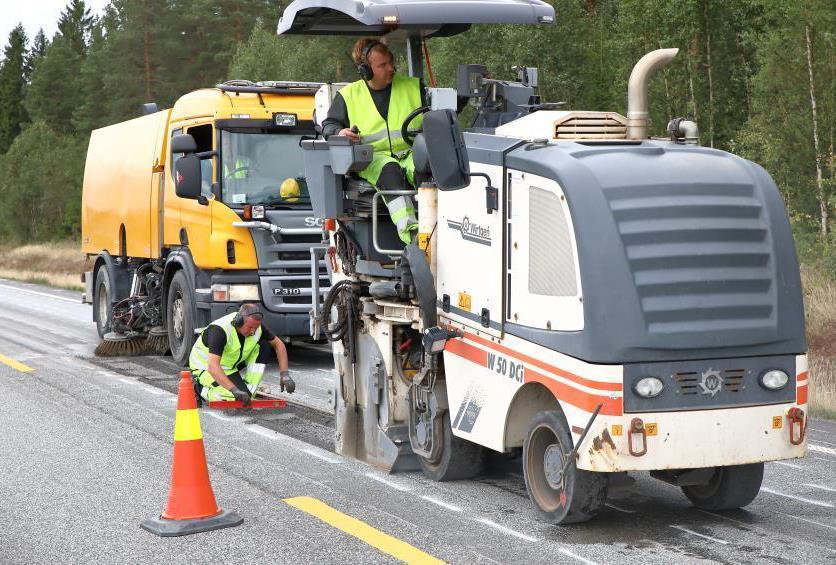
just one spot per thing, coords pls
(179, 319)
(460, 459)
(577, 495)
(104, 298)
(731, 487)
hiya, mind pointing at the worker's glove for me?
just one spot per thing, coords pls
(241, 396)
(285, 382)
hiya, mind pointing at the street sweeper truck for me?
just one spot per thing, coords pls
(164, 261)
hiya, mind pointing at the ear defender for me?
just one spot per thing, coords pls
(363, 66)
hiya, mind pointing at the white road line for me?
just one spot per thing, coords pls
(790, 465)
(128, 382)
(263, 432)
(318, 455)
(568, 553)
(828, 489)
(395, 486)
(503, 529)
(821, 449)
(41, 294)
(614, 507)
(442, 503)
(155, 391)
(793, 516)
(692, 532)
(798, 498)
(219, 416)
(324, 370)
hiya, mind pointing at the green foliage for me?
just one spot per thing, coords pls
(40, 185)
(741, 73)
(12, 72)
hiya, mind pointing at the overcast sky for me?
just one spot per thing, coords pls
(36, 14)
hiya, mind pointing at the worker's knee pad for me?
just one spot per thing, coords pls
(392, 178)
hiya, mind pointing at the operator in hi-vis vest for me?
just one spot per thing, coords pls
(227, 360)
(372, 110)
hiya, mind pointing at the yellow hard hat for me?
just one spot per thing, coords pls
(290, 190)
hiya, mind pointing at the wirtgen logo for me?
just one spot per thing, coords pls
(471, 231)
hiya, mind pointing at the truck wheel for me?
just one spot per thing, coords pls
(459, 459)
(103, 304)
(561, 498)
(179, 319)
(730, 487)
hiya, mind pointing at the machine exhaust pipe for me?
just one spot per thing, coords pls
(637, 114)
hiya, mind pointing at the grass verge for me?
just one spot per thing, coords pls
(57, 264)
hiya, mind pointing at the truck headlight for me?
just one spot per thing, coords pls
(775, 379)
(234, 292)
(648, 387)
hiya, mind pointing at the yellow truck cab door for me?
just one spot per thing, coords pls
(196, 218)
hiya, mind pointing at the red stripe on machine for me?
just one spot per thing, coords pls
(801, 395)
(561, 391)
(600, 385)
(802, 377)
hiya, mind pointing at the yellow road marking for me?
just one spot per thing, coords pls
(362, 531)
(15, 364)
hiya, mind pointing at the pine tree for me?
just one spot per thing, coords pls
(12, 81)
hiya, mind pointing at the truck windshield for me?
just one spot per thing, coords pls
(262, 168)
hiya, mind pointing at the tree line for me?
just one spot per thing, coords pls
(758, 76)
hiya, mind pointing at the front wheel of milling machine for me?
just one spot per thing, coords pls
(561, 496)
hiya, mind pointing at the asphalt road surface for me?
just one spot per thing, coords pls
(86, 456)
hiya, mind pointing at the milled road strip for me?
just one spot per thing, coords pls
(316, 453)
(398, 549)
(821, 449)
(798, 498)
(794, 517)
(614, 507)
(263, 432)
(17, 365)
(790, 465)
(442, 503)
(508, 531)
(394, 485)
(692, 532)
(568, 553)
(41, 294)
(821, 487)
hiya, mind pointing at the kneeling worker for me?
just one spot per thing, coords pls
(227, 360)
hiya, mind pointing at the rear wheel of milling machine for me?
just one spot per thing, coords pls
(731, 487)
(458, 459)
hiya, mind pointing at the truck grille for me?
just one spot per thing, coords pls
(700, 256)
(688, 382)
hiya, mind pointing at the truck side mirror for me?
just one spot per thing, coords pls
(183, 143)
(446, 150)
(187, 179)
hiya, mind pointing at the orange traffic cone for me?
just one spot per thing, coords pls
(191, 503)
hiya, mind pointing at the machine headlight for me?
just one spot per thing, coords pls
(284, 120)
(648, 387)
(775, 379)
(234, 292)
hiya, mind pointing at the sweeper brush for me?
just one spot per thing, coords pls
(122, 345)
(157, 341)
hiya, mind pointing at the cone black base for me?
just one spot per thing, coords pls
(170, 528)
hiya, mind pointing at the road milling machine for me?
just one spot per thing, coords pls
(605, 301)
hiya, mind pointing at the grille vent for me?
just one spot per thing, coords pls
(688, 381)
(591, 125)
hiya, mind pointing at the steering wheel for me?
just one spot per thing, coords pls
(407, 134)
(237, 170)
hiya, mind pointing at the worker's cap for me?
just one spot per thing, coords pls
(248, 310)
